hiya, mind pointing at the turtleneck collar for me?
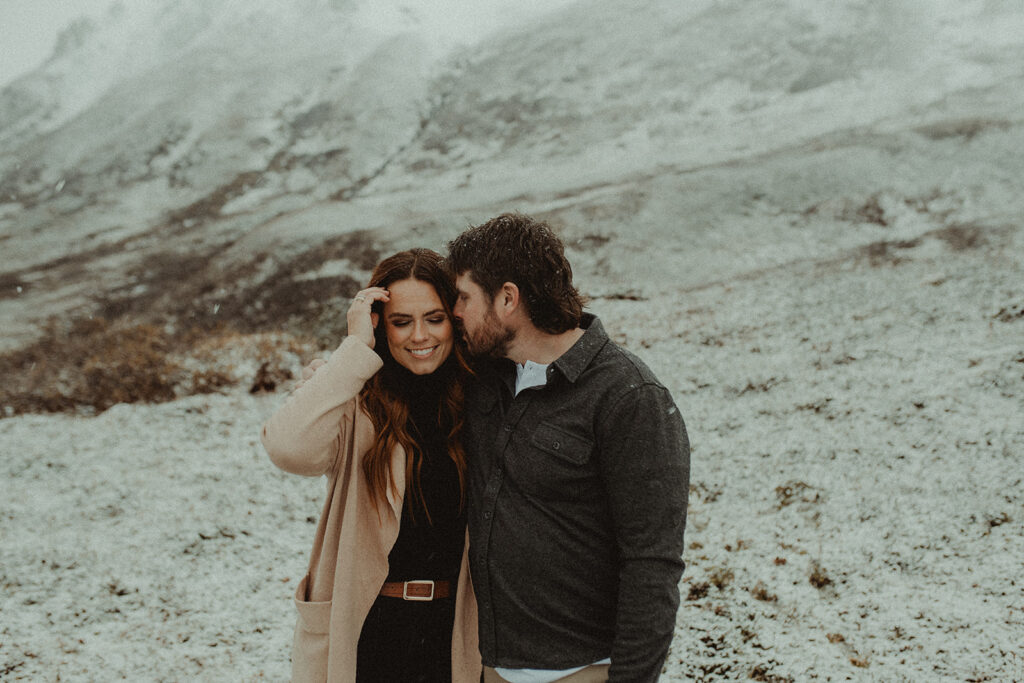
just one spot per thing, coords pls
(408, 384)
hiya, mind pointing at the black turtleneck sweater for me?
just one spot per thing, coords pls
(403, 640)
(428, 547)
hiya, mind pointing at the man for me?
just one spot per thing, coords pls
(578, 476)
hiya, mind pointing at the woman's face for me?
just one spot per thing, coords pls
(419, 332)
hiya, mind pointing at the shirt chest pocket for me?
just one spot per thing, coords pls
(555, 463)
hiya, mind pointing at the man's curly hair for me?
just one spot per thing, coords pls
(517, 248)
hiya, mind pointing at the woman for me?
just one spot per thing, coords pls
(387, 596)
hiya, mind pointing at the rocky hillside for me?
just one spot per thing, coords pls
(239, 167)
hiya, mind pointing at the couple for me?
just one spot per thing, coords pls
(522, 504)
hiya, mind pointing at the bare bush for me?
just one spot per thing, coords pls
(819, 578)
(93, 363)
(721, 577)
(760, 592)
(88, 363)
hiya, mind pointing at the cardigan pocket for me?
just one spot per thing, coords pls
(312, 637)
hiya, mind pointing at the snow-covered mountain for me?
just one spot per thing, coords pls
(203, 136)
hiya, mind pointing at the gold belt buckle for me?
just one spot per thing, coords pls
(423, 598)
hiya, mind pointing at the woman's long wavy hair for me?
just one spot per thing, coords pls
(389, 411)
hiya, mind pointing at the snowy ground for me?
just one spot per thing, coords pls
(841, 435)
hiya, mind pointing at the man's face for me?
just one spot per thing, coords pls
(484, 333)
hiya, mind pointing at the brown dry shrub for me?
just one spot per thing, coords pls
(760, 591)
(819, 578)
(698, 591)
(88, 363)
(129, 365)
(796, 492)
(268, 378)
(210, 381)
(93, 363)
(721, 577)
(762, 673)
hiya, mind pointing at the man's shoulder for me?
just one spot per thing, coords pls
(604, 359)
(614, 359)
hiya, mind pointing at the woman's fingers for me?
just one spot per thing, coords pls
(360, 320)
(369, 295)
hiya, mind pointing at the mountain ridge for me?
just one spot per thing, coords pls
(251, 141)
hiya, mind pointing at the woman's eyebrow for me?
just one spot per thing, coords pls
(392, 316)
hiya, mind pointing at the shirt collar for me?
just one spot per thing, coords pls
(573, 362)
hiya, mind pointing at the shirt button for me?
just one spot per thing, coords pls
(556, 445)
(487, 515)
(508, 428)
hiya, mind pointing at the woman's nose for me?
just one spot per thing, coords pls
(419, 331)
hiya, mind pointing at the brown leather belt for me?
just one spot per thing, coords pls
(417, 590)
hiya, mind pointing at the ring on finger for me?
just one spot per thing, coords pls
(360, 298)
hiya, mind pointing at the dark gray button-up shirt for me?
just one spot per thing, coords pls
(577, 506)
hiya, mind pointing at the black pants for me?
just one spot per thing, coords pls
(405, 641)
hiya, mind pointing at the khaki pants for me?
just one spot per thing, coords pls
(595, 673)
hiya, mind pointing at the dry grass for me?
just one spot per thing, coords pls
(698, 591)
(721, 577)
(185, 323)
(818, 576)
(760, 592)
(93, 363)
(88, 363)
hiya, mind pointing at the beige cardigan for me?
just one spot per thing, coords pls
(321, 430)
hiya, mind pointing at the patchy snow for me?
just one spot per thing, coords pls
(838, 430)
(805, 216)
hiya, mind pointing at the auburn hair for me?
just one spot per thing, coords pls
(389, 410)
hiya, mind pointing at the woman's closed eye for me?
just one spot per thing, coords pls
(439, 320)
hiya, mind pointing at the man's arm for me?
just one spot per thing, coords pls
(645, 464)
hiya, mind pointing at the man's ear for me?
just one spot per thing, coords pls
(374, 319)
(507, 298)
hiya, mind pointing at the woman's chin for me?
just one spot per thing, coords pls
(422, 366)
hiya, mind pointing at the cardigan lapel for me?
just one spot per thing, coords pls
(398, 475)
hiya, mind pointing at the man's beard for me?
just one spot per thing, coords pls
(490, 339)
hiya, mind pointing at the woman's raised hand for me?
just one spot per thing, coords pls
(361, 321)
